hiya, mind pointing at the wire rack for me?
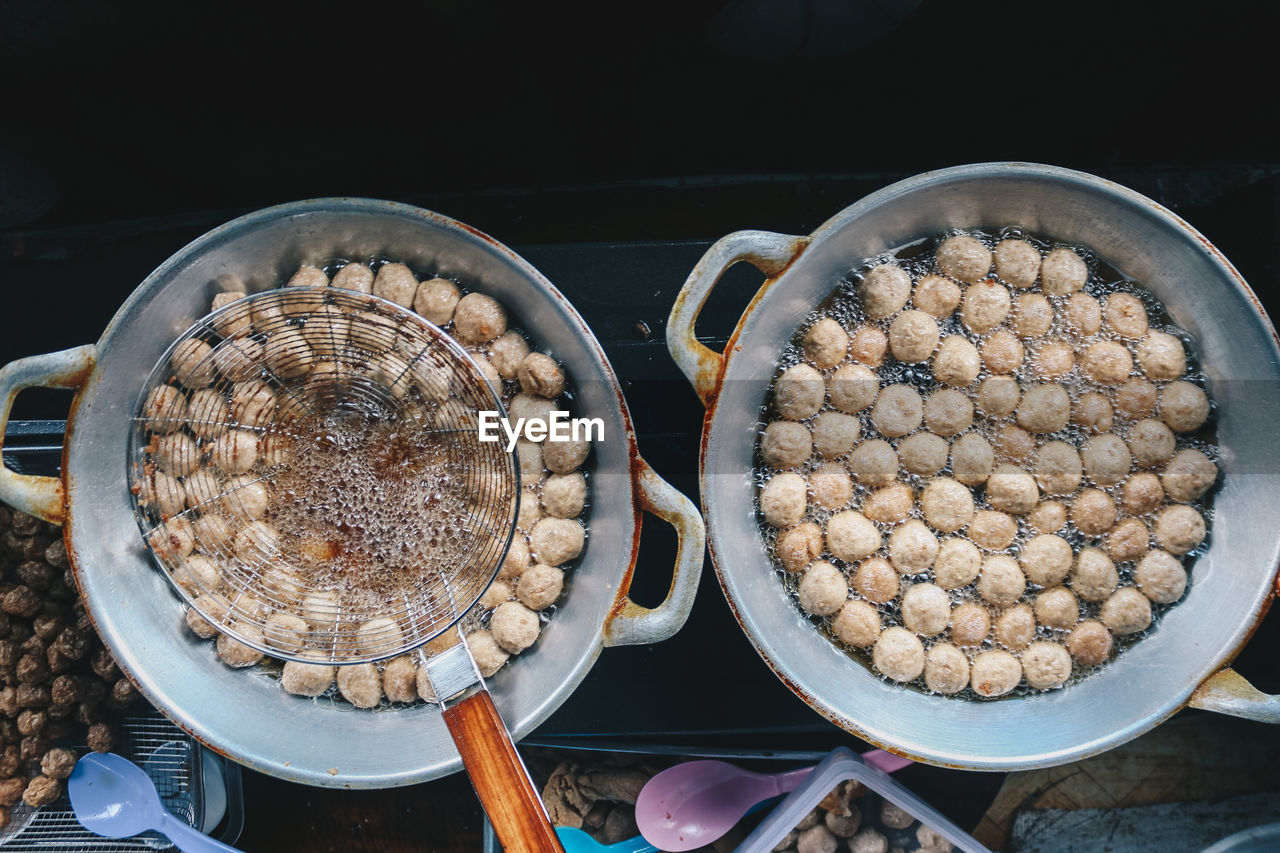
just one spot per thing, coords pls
(172, 760)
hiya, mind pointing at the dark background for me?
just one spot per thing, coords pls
(608, 143)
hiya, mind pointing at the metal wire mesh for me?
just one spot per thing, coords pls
(171, 759)
(309, 473)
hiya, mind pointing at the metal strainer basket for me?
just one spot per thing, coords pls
(309, 472)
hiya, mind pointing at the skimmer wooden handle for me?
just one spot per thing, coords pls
(499, 777)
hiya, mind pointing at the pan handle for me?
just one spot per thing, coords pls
(769, 252)
(1227, 692)
(630, 624)
(43, 497)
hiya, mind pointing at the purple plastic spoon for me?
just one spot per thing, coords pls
(692, 804)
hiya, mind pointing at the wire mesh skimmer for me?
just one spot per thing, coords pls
(309, 474)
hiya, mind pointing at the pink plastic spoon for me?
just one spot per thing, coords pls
(692, 804)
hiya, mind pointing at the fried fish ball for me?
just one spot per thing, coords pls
(851, 536)
(436, 299)
(912, 548)
(868, 346)
(1047, 517)
(540, 586)
(947, 505)
(514, 626)
(175, 454)
(286, 632)
(1161, 356)
(1017, 262)
(539, 374)
(1106, 459)
(786, 444)
(1001, 582)
(1063, 272)
(876, 580)
(874, 463)
(1094, 512)
(995, 673)
(253, 403)
(234, 452)
(287, 354)
(946, 669)
(853, 388)
(936, 295)
(165, 409)
(1089, 643)
(783, 500)
(822, 589)
(1057, 468)
(558, 540)
(957, 362)
(320, 608)
(1151, 443)
(913, 336)
(972, 459)
(923, 453)
(488, 655)
(826, 343)
(830, 486)
(565, 457)
(799, 392)
(1188, 475)
(517, 558)
(926, 609)
(998, 396)
(507, 352)
(1054, 359)
(963, 257)
(213, 533)
(1161, 577)
(1107, 362)
(308, 679)
(857, 624)
(957, 564)
(1126, 315)
(884, 290)
(1180, 529)
(1013, 444)
(1012, 490)
(834, 434)
(167, 494)
(479, 319)
(400, 679)
(898, 654)
(897, 411)
(970, 624)
(1083, 314)
(1015, 628)
(397, 283)
(947, 412)
(564, 495)
(1044, 409)
(236, 654)
(1046, 665)
(192, 364)
(1135, 398)
(1093, 412)
(1032, 316)
(496, 593)
(985, 306)
(1126, 611)
(798, 546)
(992, 530)
(1183, 406)
(201, 627)
(197, 574)
(888, 504)
(1046, 559)
(379, 636)
(529, 455)
(1142, 493)
(355, 276)
(868, 841)
(360, 684)
(234, 322)
(173, 540)
(1002, 352)
(1128, 540)
(245, 499)
(1057, 608)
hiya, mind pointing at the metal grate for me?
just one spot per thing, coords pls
(172, 760)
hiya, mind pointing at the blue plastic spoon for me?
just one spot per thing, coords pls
(577, 841)
(115, 798)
